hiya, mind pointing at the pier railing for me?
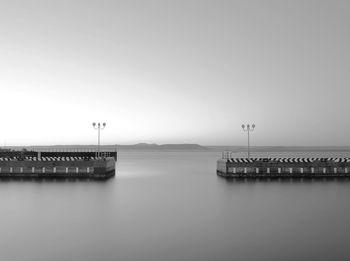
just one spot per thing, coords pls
(227, 154)
(53, 153)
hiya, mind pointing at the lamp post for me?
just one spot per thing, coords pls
(98, 127)
(248, 129)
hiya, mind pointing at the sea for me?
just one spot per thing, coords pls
(171, 205)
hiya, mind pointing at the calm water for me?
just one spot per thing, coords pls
(173, 206)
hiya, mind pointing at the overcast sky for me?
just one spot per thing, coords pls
(175, 71)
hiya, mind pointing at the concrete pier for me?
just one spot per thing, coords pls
(67, 166)
(283, 167)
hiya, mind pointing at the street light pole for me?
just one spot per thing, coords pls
(248, 129)
(98, 127)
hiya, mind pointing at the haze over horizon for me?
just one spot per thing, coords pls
(175, 72)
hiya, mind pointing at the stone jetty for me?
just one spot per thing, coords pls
(58, 164)
(283, 167)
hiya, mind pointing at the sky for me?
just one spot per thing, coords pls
(175, 72)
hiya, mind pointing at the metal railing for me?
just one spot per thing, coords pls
(87, 154)
(227, 154)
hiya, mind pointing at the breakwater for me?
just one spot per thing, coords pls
(57, 165)
(283, 167)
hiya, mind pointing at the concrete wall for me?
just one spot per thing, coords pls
(101, 168)
(221, 166)
(284, 169)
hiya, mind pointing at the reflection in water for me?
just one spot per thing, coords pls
(173, 206)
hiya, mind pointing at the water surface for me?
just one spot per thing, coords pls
(173, 206)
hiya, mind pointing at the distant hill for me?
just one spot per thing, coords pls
(281, 148)
(139, 146)
(147, 146)
(185, 147)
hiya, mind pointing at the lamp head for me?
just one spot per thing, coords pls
(94, 124)
(243, 126)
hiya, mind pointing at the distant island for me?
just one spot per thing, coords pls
(183, 147)
(138, 146)
(153, 146)
(281, 148)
